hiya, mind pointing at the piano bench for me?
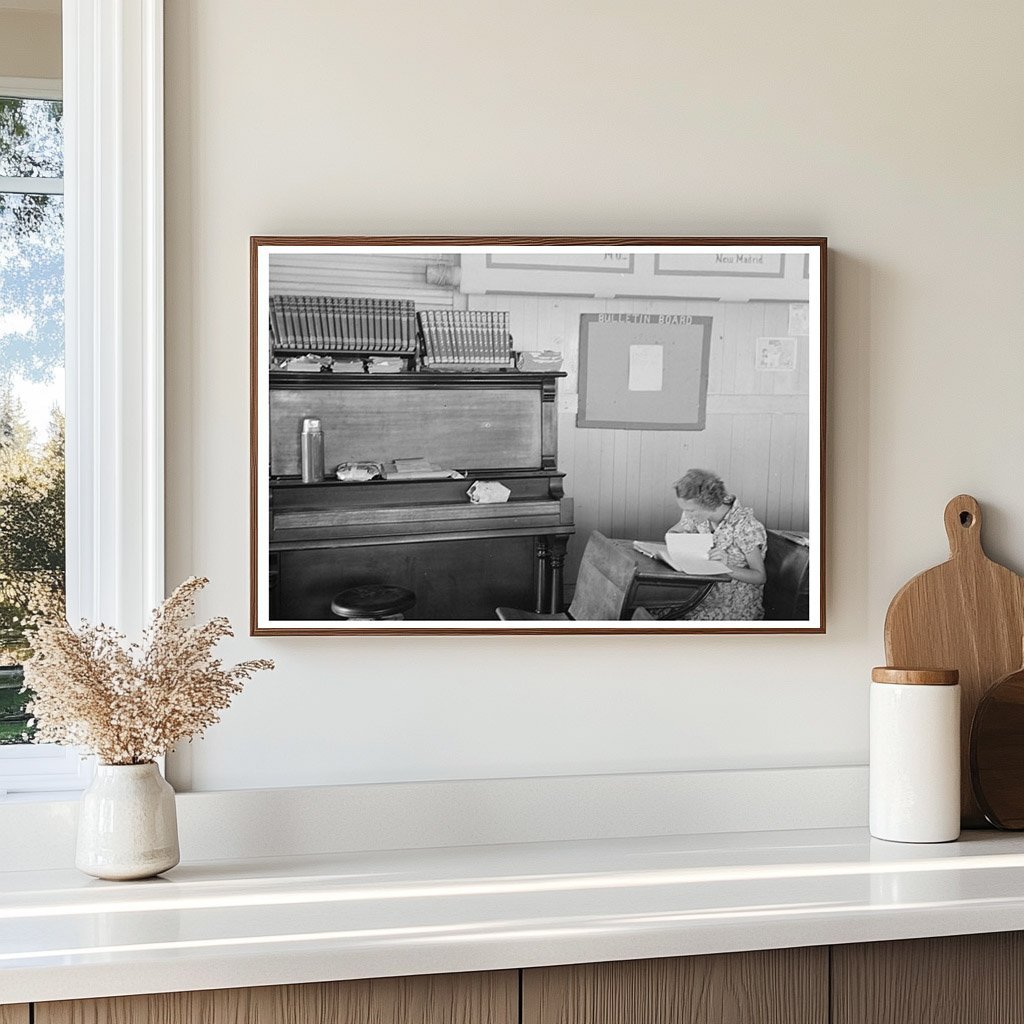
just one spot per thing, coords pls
(373, 601)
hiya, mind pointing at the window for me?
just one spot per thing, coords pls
(32, 535)
(31, 383)
(113, 332)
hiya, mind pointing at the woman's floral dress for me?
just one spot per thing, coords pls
(735, 536)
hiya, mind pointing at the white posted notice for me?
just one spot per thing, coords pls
(646, 367)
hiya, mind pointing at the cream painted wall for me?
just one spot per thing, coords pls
(29, 44)
(894, 129)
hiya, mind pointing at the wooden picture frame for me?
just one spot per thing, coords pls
(462, 380)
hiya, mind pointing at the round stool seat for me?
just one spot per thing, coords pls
(373, 601)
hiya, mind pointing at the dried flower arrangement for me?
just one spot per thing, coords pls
(130, 703)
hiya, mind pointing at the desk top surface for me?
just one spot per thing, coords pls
(302, 919)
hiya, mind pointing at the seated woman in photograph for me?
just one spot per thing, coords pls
(740, 541)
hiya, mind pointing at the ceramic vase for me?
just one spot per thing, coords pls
(127, 825)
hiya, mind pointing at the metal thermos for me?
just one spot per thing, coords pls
(312, 452)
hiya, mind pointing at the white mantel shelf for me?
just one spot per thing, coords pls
(225, 924)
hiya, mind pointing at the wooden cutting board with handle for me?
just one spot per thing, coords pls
(967, 614)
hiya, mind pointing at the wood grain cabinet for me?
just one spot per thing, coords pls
(779, 986)
(491, 998)
(963, 979)
(974, 979)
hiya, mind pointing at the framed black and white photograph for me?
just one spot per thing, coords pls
(536, 435)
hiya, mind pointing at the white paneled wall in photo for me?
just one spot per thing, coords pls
(399, 276)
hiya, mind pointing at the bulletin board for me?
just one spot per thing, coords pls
(643, 371)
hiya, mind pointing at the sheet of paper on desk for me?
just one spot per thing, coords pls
(688, 552)
(692, 564)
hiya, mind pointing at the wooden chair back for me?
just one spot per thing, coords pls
(787, 587)
(604, 582)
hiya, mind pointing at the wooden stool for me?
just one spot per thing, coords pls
(373, 601)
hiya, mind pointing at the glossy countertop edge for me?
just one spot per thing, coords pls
(225, 924)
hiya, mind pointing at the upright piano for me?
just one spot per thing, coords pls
(462, 560)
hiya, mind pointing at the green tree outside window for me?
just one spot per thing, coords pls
(31, 359)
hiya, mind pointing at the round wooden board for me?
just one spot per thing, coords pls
(997, 752)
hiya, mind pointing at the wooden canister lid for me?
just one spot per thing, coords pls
(916, 676)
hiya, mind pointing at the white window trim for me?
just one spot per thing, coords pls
(114, 326)
(32, 186)
(32, 88)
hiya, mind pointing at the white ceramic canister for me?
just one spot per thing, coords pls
(915, 755)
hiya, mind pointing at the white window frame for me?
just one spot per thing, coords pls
(114, 335)
(31, 89)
